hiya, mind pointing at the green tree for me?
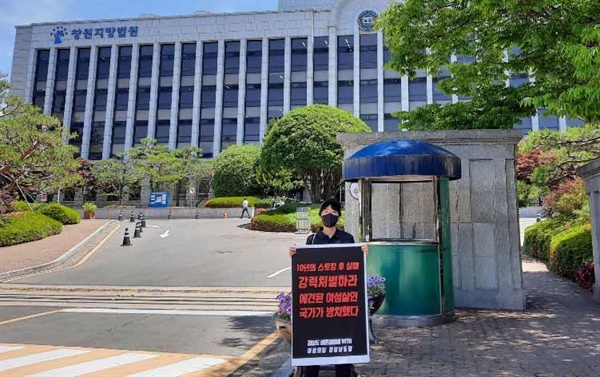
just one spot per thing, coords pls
(158, 165)
(33, 154)
(234, 170)
(554, 41)
(304, 141)
(116, 175)
(276, 181)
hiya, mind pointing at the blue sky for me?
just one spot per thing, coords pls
(23, 12)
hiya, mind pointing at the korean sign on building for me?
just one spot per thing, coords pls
(329, 311)
(159, 199)
(60, 32)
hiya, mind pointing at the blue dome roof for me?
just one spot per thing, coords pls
(401, 157)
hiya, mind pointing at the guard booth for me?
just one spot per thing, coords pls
(409, 236)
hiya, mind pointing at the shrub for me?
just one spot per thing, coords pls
(274, 222)
(585, 276)
(27, 226)
(21, 206)
(568, 197)
(62, 214)
(230, 202)
(234, 170)
(263, 203)
(571, 249)
(538, 237)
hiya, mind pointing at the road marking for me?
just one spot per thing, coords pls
(88, 256)
(152, 226)
(28, 317)
(4, 349)
(96, 365)
(224, 313)
(38, 358)
(188, 366)
(165, 234)
(279, 272)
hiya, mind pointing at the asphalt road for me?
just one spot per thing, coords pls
(179, 253)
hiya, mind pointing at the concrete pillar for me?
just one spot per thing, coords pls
(30, 74)
(197, 94)
(287, 74)
(380, 93)
(404, 81)
(154, 91)
(333, 66)
(50, 80)
(241, 93)
(133, 76)
(219, 99)
(175, 97)
(453, 59)
(89, 103)
(110, 102)
(264, 88)
(70, 90)
(562, 124)
(310, 69)
(591, 175)
(356, 71)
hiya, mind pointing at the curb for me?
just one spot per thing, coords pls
(74, 254)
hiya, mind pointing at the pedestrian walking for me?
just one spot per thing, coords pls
(245, 208)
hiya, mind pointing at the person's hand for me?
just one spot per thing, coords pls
(365, 249)
(293, 250)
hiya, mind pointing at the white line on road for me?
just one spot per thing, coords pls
(165, 234)
(224, 313)
(278, 272)
(152, 226)
(184, 367)
(4, 349)
(96, 365)
(22, 361)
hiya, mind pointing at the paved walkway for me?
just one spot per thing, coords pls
(38, 252)
(558, 335)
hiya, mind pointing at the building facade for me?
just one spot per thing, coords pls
(215, 80)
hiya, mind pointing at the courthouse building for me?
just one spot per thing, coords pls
(215, 80)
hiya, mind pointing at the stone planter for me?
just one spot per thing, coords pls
(284, 328)
(377, 302)
(89, 215)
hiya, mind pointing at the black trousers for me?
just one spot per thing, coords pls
(246, 211)
(341, 370)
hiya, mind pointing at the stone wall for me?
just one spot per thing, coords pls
(591, 174)
(484, 216)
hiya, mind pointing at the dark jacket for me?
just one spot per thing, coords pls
(321, 238)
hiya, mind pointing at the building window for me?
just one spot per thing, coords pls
(103, 66)
(184, 132)
(299, 54)
(62, 65)
(321, 54)
(298, 94)
(205, 141)
(370, 120)
(58, 103)
(345, 52)
(167, 57)
(77, 129)
(390, 123)
(276, 55)
(209, 58)
(275, 94)
(188, 59)
(524, 125)
(145, 61)
(100, 99)
(368, 51)
(83, 64)
(232, 57)
(345, 91)
(209, 94)
(41, 66)
(228, 132)
(186, 97)
(252, 95)
(162, 131)
(439, 96)
(124, 66)
(143, 98)
(121, 99)
(549, 122)
(254, 57)
(368, 91)
(164, 97)
(230, 95)
(392, 90)
(79, 100)
(96, 141)
(417, 92)
(118, 134)
(321, 92)
(251, 130)
(140, 131)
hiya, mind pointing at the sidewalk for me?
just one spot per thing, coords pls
(46, 250)
(558, 335)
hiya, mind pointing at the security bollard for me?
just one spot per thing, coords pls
(139, 216)
(196, 214)
(121, 215)
(126, 240)
(136, 233)
(139, 224)
(143, 220)
(131, 218)
(169, 216)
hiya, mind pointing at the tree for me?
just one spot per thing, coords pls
(116, 175)
(276, 181)
(304, 140)
(555, 41)
(234, 170)
(33, 154)
(155, 163)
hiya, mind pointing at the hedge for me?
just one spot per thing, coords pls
(538, 237)
(570, 250)
(236, 202)
(283, 219)
(22, 206)
(63, 214)
(20, 227)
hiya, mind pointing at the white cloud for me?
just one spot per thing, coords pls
(24, 12)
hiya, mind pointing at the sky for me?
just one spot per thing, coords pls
(24, 12)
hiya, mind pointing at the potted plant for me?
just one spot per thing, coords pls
(89, 210)
(282, 316)
(375, 293)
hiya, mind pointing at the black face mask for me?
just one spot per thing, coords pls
(329, 220)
